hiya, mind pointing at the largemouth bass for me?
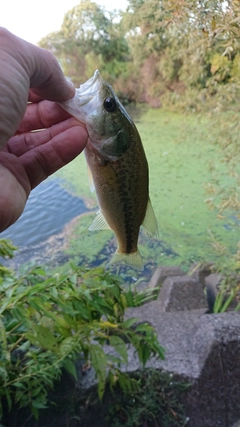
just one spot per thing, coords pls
(118, 167)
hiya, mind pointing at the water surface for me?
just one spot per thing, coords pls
(49, 207)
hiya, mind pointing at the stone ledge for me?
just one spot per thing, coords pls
(203, 349)
(180, 293)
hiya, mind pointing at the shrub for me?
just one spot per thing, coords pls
(47, 321)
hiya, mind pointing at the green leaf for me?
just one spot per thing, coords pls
(218, 302)
(38, 404)
(8, 397)
(35, 412)
(83, 311)
(119, 345)
(45, 338)
(159, 350)
(238, 307)
(32, 338)
(70, 367)
(25, 346)
(144, 327)
(12, 324)
(73, 279)
(54, 292)
(67, 345)
(130, 322)
(19, 312)
(144, 353)
(99, 363)
(126, 383)
(62, 322)
(3, 374)
(36, 303)
(114, 359)
(36, 391)
(19, 385)
(39, 271)
(228, 301)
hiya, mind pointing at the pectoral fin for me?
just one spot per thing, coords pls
(90, 180)
(99, 223)
(115, 146)
(89, 173)
(150, 222)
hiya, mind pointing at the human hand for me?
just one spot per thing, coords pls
(29, 73)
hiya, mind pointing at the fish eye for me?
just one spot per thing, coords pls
(110, 104)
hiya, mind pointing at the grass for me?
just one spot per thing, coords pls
(179, 152)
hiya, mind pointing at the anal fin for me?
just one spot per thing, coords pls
(150, 221)
(99, 223)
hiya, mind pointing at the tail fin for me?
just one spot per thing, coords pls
(134, 260)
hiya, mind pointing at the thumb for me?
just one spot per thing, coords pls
(47, 79)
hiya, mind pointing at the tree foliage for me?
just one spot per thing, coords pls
(161, 51)
(88, 39)
(191, 46)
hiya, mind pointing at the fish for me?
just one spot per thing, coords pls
(118, 168)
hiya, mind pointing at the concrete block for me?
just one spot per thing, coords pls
(214, 397)
(181, 293)
(161, 273)
(203, 349)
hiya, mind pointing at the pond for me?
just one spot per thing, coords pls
(179, 151)
(49, 208)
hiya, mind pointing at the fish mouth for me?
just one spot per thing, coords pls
(84, 87)
(89, 89)
(80, 105)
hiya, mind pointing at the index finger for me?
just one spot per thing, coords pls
(41, 115)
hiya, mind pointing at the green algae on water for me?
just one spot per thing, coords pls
(179, 154)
